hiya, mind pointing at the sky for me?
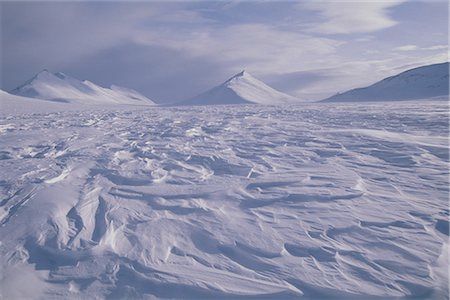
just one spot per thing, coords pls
(171, 51)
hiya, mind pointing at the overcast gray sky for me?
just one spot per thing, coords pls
(170, 51)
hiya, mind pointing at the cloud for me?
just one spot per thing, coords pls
(406, 48)
(62, 30)
(342, 76)
(339, 17)
(257, 47)
(52, 34)
(295, 82)
(414, 48)
(418, 61)
(58, 35)
(437, 47)
(67, 36)
(174, 50)
(164, 75)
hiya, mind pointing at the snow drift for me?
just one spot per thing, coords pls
(257, 202)
(242, 88)
(60, 87)
(418, 83)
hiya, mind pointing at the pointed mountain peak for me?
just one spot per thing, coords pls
(242, 74)
(239, 89)
(45, 74)
(42, 73)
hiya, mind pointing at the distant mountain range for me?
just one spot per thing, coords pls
(60, 87)
(424, 82)
(418, 83)
(242, 88)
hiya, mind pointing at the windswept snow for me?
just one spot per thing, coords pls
(226, 201)
(242, 88)
(60, 87)
(419, 83)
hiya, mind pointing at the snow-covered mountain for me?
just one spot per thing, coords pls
(418, 83)
(60, 87)
(242, 88)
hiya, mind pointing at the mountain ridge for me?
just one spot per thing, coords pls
(417, 83)
(60, 87)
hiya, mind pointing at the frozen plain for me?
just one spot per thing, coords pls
(313, 200)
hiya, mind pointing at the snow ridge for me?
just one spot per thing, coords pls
(60, 87)
(418, 83)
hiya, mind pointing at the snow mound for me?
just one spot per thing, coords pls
(242, 88)
(418, 83)
(60, 87)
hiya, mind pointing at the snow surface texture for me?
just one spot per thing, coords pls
(60, 87)
(242, 88)
(319, 200)
(419, 83)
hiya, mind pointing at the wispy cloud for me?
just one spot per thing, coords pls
(344, 17)
(415, 47)
(406, 48)
(261, 48)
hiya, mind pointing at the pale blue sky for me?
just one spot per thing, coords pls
(170, 51)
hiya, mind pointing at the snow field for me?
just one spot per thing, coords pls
(317, 200)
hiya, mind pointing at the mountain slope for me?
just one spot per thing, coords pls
(242, 88)
(60, 87)
(418, 83)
